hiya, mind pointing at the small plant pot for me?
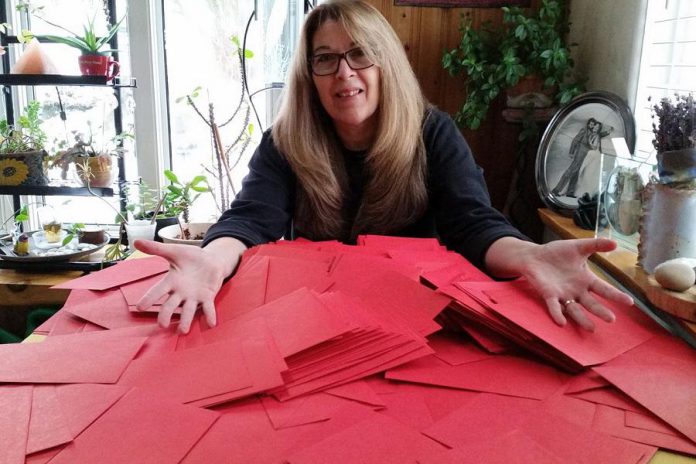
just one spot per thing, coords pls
(95, 171)
(98, 65)
(93, 235)
(172, 234)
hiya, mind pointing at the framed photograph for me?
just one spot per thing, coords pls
(569, 161)
(463, 3)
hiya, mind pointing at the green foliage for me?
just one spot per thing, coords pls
(183, 194)
(26, 134)
(88, 42)
(74, 230)
(493, 59)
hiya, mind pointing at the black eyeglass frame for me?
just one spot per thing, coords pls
(340, 56)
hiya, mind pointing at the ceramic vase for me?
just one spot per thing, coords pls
(667, 225)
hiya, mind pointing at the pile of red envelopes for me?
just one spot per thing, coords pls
(330, 353)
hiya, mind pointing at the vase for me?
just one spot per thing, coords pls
(667, 225)
(677, 165)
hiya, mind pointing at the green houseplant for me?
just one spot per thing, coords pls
(181, 195)
(495, 59)
(22, 154)
(95, 57)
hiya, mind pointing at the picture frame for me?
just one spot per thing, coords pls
(569, 162)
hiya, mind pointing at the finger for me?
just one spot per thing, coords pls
(577, 313)
(556, 311)
(588, 246)
(167, 251)
(597, 308)
(210, 314)
(610, 292)
(157, 291)
(167, 309)
(187, 313)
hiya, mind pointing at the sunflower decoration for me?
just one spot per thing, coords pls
(13, 172)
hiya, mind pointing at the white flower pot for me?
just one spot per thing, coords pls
(172, 234)
(668, 225)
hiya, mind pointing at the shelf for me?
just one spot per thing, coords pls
(60, 79)
(52, 190)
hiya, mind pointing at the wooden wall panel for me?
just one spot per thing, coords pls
(426, 33)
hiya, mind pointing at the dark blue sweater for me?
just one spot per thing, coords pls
(459, 210)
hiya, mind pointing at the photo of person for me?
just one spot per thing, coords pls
(576, 155)
(588, 139)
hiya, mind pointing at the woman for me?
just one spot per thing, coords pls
(356, 149)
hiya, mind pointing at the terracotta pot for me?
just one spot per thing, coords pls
(530, 91)
(98, 65)
(97, 171)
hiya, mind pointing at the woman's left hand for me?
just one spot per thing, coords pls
(558, 270)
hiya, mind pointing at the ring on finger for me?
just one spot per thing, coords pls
(567, 302)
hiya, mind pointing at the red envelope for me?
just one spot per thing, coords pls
(109, 310)
(139, 428)
(124, 272)
(48, 426)
(69, 359)
(660, 376)
(506, 375)
(134, 291)
(386, 242)
(15, 404)
(378, 439)
(82, 404)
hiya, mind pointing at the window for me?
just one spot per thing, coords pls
(88, 111)
(668, 62)
(203, 62)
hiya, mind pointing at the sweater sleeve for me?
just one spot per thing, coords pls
(262, 210)
(465, 220)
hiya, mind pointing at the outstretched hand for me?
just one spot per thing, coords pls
(194, 279)
(559, 272)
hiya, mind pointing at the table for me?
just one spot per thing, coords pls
(621, 265)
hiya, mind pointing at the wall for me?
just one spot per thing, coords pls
(426, 33)
(609, 37)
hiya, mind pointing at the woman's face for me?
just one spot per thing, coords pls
(350, 97)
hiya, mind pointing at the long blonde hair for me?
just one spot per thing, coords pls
(395, 191)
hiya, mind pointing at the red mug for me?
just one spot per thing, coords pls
(99, 65)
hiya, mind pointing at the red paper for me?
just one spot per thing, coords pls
(48, 426)
(506, 375)
(108, 309)
(139, 428)
(454, 349)
(15, 404)
(512, 447)
(83, 403)
(124, 272)
(378, 439)
(134, 291)
(659, 381)
(69, 359)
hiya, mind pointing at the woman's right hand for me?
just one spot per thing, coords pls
(194, 278)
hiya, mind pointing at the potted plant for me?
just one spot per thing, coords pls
(95, 59)
(668, 217)
(93, 163)
(22, 154)
(182, 195)
(146, 202)
(527, 50)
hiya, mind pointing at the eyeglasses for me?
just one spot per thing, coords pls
(324, 64)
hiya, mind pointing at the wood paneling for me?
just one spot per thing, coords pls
(426, 33)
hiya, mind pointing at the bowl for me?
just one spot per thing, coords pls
(172, 234)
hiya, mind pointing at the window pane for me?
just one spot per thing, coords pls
(204, 61)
